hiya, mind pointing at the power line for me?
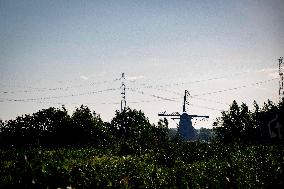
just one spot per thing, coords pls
(208, 93)
(62, 96)
(174, 100)
(235, 88)
(209, 100)
(116, 103)
(141, 92)
(44, 89)
(102, 103)
(159, 98)
(206, 107)
(152, 95)
(203, 94)
(204, 99)
(196, 81)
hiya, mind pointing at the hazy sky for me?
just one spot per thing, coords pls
(72, 52)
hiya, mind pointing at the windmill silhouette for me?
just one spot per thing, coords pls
(185, 128)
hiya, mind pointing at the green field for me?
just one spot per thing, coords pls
(190, 165)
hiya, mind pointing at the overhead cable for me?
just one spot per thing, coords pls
(62, 96)
(196, 81)
(174, 100)
(235, 88)
(44, 89)
(155, 96)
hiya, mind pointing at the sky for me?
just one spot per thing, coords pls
(55, 53)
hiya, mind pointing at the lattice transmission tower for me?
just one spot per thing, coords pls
(123, 98)
(281, 79)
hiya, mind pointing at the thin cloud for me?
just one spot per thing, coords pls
(273, 75)
(261, 88)
(84, 77)
(134, 78)
(270, 72)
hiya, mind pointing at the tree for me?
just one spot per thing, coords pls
(41, 127)
(236, 124)
(239, 124)
(87, 126)
(133, 131)
(162, 134)
(228, 126)
(269, 116)
(50, 125)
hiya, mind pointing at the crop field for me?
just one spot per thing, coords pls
(191, 165)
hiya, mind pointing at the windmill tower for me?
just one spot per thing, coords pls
(185, 128)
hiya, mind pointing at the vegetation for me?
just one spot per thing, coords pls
(52, 149)
(239, 124)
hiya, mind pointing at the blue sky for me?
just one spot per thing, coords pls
(59, 52)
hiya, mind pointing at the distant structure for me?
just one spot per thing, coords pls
(123, 98)
(281, 80)
(185, 128)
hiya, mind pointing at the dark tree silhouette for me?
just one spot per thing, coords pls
(135, 134)
(239, 124)
(88, 127)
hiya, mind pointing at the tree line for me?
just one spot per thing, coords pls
(131, 131)
(259, 125)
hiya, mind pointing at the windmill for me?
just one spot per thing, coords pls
(185, 128)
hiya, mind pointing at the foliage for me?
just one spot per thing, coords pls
(88, 127)
(45, 126)
(134, 133)
(200, 166)
(52, 149)
(239, 124)
(129, 130)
